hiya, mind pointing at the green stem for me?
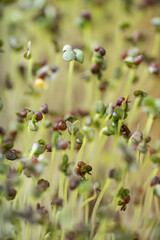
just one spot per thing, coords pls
(69, 86)
(148, 204)
(148, 200)
(29, 74)
(144, 78)
(66, 192)
(132, 115)
(156, 45)
(99, 199)
(86, 213)
(148, 125)
(81, 151)
(153, 234)
(52, 163)
(129, 82)
(136, 217)
(61, 185)
(72, 144)
(119, 126)
(89, 199)
(156, 203)
(63, 235)
(114, 201)
(74, 197)
(53, 212)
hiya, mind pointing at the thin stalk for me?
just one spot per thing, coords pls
(149, 197)
(61, 185)
(89, 199)
(148, 201)
(148, 124)
(119, 126)
(63, 235)
(86, 212)
(81, 151)
(152, 237)
(52, 163)
(72, 145)
(132, 115)
(69, 86)
(99, 199)
(28, 138)
(156, 204)
(75, 194)
(136, 217)
(53, 212)
(114, 202)
(66, 192)
(29, 72)
(129, 82)
(156, 45)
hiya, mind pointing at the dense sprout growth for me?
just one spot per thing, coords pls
(80, 120)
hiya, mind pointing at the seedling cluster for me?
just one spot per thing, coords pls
(79, 120)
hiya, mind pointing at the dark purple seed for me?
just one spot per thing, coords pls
(124, 54)
(79, 172)
(80, 164)
(86, 15)
(96, 49)
(53, 68)
(138, 60)
(155, 181)
(63, 145)
(73, 185)
(11, 194)
(62, 125)
(42, 183)
(44, 108)
(39, 116)
(120, 100)
(55, 126)
(102, 51)
(42, 75)
(2, 131)
(127, 199)
(57, 201)
(102, 86)
(95, 68)
(83, 113)
(23, 113)
(49, 147)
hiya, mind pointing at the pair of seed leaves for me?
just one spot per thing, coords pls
(70, 54)
(151, 106)
(65, 165)
(74, 128)
(38, 147)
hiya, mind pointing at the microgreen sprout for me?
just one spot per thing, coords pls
(79, 136)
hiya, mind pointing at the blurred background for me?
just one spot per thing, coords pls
(43, 27)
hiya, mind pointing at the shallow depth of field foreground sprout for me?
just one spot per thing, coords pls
(80, 120)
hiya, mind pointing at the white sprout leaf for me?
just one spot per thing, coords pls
(67, 47)
(79, 55)
(68, 56)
